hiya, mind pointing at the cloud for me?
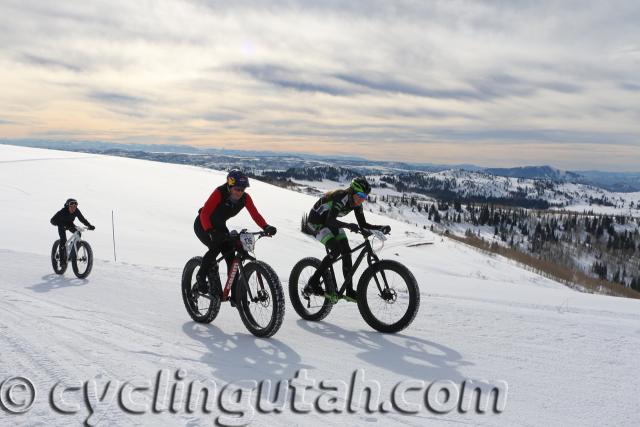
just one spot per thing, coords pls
(221, 117)
(122, 104)
(629, 86)
(116, 98)
(394, 86)
(295, 79)
(48, 62)
(454, 72)
(540, 136)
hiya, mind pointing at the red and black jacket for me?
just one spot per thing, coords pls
(220, 207)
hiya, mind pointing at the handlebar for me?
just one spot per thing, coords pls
(366, 233)
(236, 233)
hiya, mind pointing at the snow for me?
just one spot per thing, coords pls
(568, 358)
(570, 196)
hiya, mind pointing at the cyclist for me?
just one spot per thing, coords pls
(324, 225)
(225, 202)
(63, 219)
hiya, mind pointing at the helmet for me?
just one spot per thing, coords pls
(70, 202)
(360, 185)
(237, 178)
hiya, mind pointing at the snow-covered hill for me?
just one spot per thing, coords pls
(477, 186)
(566, 195)
(482, 318)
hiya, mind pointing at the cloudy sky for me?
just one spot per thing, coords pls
(494, 83)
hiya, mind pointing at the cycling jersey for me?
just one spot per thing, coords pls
(220, 207)
(332, 205)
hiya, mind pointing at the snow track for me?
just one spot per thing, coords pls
(568, 358)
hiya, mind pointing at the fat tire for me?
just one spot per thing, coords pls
(276, 298)
(54, 259)
(414, 296)
(74, 260)
(191, 305)
(295, 288)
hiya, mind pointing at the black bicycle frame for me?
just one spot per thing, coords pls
(372, 258)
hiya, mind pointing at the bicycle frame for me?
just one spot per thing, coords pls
(237, 271)
(372, 258)
(72, 241)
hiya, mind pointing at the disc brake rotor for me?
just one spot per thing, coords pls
(389, 295)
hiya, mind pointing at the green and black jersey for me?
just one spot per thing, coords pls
(332, 205)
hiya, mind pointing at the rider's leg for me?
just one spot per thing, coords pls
(63, 241)
(347, 263)
(215, 247)
(213, 241)
(326, 237)
(345, 251)
(227, 248)
(202, 235)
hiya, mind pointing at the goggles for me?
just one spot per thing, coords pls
(361, 195)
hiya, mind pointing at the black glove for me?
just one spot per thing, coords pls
(386, 229)
(353, 227)
(91, 227)
(270, 230)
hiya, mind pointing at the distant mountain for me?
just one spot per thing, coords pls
(535, 172)
(482, 186)
(263, 160)
(623, 182)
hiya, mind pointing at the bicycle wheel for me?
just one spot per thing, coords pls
(261, 300)
(388, 296)
(82, 260)
(201, 308)
(309, 307)
(58, 267)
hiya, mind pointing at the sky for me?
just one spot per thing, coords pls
(493, 83)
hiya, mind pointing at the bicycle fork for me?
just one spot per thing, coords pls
(235, 267)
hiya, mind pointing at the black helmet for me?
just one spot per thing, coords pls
(70, 202)
(360, 185)
(237, 178)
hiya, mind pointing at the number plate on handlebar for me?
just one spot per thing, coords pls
(248, 241)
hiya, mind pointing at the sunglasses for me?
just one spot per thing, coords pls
(361, 195)
(73, 204)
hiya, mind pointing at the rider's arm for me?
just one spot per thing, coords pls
(81, 218)
(362, 222)
(254, 212)
(55, 220)
(210, 205)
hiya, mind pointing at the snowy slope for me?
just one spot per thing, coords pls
(561, 352)
(565, 195)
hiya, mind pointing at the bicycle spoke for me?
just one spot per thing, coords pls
(259, 301)
(390, 303)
